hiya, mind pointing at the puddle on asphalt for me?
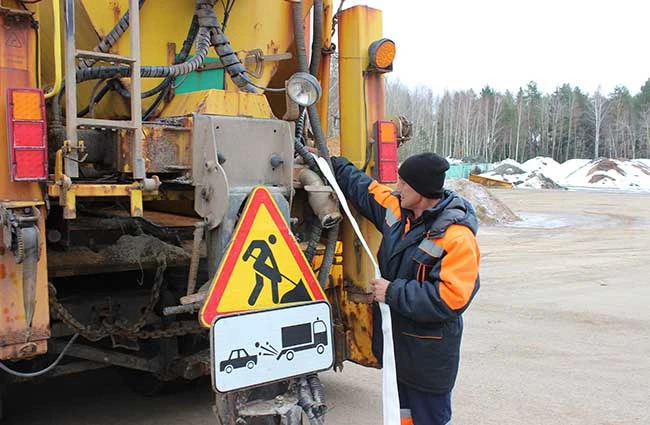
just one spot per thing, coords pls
(557, 221)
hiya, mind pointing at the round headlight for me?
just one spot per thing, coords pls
(303, 88)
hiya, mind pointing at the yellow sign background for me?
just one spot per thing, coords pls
(260, 228)
(242, 280)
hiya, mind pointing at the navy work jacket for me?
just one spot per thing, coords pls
(432, 264)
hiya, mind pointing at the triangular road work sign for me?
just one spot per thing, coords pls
(263, 267)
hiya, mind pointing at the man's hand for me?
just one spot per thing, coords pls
(379, 287)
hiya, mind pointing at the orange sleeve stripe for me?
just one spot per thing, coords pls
(383, 197)
(459, 268)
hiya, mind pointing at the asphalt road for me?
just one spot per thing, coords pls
(558, 334)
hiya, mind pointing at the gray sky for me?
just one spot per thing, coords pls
(463, 44)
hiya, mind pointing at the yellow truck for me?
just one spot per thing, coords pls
(133, 133)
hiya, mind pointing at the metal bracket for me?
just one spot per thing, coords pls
(210, 181)
(67, 192)
(21, 235)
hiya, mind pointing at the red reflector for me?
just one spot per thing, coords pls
(29, 165)
(386, 136)
(27, 134)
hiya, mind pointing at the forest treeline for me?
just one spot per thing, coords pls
(491, 125)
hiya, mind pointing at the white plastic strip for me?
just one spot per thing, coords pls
(389, 381)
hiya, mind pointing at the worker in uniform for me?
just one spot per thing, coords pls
(429, 262)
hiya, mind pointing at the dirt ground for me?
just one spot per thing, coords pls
(558, 334)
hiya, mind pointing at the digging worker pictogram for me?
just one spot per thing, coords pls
(263, 269)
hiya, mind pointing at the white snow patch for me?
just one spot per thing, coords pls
(603, 173)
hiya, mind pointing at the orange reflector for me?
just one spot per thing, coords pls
(27, 134)
(386, 159)
(27, 105)
(382, 54)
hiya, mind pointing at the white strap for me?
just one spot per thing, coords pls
(391, 399)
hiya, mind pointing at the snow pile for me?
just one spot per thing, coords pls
(611, 174)
(537, 173)
(603, 173)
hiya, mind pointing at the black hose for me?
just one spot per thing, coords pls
(202, 47)
(104, 46)
(227, 56)
(301, 54)
(299, 36)
(314, 239)
(321, 143)
(317, 41)
(152, 108)
(300, 147)
(182, 56)
(96, 98)
(111, 38)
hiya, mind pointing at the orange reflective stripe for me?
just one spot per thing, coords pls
(383, 197)
(405, 417)
(459, 268)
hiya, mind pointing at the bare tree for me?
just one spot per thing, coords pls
(598, 112)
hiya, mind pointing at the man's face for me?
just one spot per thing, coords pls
(409, 198)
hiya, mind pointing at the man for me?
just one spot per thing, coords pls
(429, 261)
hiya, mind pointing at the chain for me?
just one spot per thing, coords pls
(335, 21)
(95, 333)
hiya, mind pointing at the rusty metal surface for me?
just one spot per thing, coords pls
(23, 351)
(165, 149)
(16, 70)
(208, 177)
(162, 219)
(358, 27)
(13, 326)
(83, 261)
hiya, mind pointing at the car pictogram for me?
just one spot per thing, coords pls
(238, 358)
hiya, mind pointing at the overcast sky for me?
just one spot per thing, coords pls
(463, 44)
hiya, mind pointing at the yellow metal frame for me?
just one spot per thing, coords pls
(58, 63)
(67, 192)
(358, 27)
(219, 102)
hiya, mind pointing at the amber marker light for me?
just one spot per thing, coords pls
(381, 54)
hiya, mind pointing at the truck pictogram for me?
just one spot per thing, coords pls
(303, 336)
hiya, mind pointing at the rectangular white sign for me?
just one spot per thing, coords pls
(263, 346)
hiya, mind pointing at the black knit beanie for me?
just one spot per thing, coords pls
(425, 173)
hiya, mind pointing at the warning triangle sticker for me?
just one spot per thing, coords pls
(12, 40)
(263, 266)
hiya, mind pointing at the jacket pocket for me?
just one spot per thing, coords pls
(427, 358)
(424, 260)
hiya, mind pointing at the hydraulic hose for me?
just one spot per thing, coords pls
(227, 56)
(299, 36)
(111, 38)
(182, 56)
(210, 34)
(301, 54)
(316, 229)
(321, 143)
(317, 41)
(202, 47)
(300, 147)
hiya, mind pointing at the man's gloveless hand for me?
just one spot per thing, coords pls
(379, 287)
